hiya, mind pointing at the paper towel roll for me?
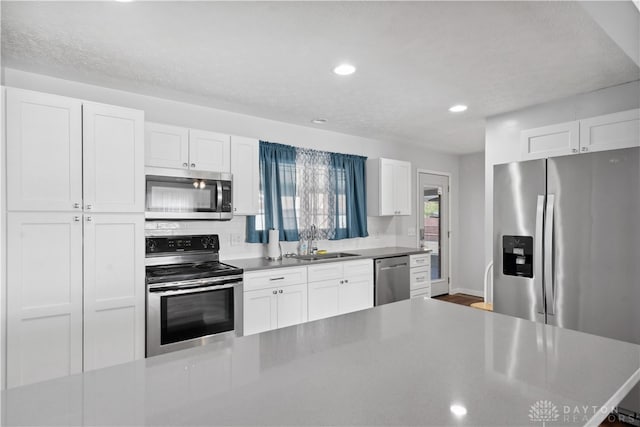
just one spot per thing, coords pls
(273, 247)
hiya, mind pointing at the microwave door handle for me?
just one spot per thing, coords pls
(219, 191)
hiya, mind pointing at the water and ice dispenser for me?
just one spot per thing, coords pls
(517, 256)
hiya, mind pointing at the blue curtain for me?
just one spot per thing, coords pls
(278, 187)
(351, 204)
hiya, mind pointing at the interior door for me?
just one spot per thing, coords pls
(433, 213)
(518, 208)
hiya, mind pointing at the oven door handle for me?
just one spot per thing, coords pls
(178, 290)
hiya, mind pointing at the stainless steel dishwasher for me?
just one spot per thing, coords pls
(391, 279)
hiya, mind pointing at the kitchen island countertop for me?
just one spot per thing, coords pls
(414, 362)
(253, 264)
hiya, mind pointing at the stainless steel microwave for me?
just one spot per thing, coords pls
(188, 195)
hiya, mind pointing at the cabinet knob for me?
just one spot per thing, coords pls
(346, 281)
(585, 148)
(89, 218)
(341, 282)
(89, 207)
(275, 292)
(574, 150)
(193, 165)
(186, 165)
(235, 209)
(76, 218)
(76, 205)
(280, 291)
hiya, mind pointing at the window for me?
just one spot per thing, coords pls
(304, 188)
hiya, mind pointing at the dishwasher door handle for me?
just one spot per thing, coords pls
(393, 266)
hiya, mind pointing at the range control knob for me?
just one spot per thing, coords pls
(206, 241)
(151, 245)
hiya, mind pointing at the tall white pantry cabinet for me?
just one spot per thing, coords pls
(75, 236)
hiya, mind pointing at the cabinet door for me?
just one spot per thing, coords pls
(323, 299)
(113, 158)
(166, 146)
(356, 293)
(260, 311)
(402, 188)
(610, 132)
(44, 296)
(549, 141)
(387, 186)
(292, 305)
(114, 289)
(209, 151)
(44, 152)
(246, 179)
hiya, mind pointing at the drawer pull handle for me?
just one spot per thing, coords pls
(276, 278)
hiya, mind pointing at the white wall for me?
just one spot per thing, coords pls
(502, 136)
(470, 254)
(383, 231)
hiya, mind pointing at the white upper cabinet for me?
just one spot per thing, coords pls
(609, 132)
(113, 158)
(114, 295)
(44, 152)
(181, 148)
(388, 187)
(245, 169)
(209, 151)
(44, 295)
(548, 141)
(166, 146)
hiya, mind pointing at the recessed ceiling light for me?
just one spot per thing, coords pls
(344, 69)
(124, 1)
(458, 410)
(458, 108)
(319, 121)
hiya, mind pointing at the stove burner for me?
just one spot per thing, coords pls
(189, 271)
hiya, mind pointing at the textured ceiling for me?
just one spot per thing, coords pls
(274, 59)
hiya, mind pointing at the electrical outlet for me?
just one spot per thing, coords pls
(236, 239)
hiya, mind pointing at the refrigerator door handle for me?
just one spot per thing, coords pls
(549, 291)
(538, 279)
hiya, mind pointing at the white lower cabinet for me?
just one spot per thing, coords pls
(47, 279)
(274, 298)
(420, 275)
(339, 288)
(44, 296)
(114, 294)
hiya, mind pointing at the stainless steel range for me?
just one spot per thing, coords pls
(192, 298)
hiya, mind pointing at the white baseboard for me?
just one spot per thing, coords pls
(473, 292)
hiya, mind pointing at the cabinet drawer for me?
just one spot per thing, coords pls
(274, 277)
(420, 260)
(359, 268)
(421, 293)
(325, 271)
(420, 278)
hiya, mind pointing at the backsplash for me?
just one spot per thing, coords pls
(382, 233)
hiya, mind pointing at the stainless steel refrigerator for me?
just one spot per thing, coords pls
(567, 244)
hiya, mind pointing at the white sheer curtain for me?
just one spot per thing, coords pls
(316, 190)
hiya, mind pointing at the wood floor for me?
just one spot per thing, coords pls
(464, 299)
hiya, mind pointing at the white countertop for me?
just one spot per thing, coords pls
(404, 363)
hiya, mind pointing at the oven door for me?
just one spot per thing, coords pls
(181, 317)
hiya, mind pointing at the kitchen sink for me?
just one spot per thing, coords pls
(328, 255)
